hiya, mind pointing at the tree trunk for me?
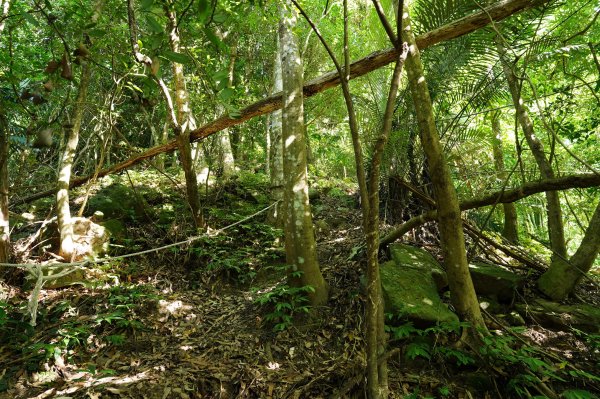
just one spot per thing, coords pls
(71, 128)
(553, 210)
(510, 230)
(562, 276)
(301, 252)
(185, 122)
(449, 220)
(276, 148)
(4, 218)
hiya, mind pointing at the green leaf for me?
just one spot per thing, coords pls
(97, 32)
(214, 39)
(31, 19)
(578, 394)
(220, 17)
(177, 57)
(226, 93)
(154, 25)
(204, 11)
(146, 4)
(415, 350)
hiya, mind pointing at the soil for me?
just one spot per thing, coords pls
(188, 334)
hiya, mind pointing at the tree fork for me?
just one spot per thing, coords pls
(498, 11)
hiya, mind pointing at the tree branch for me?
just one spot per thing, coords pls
(501, 197)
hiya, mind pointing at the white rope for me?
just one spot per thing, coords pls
(36, 269)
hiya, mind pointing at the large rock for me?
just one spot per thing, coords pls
(495, 281)
(565, 317)
(410, 289)
(90, 240)
(417, 258)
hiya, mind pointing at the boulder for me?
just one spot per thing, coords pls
(417, 258)
(555, 315)
(495, 281)
(410, 289)
(412, 293)
(90, 239)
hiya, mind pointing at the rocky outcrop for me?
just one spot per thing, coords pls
(410, 286)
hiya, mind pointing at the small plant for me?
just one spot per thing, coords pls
(421, 346)
(284, 302)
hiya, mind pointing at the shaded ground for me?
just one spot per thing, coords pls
(188, 325)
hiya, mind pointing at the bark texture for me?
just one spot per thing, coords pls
(553, 210)
(276, 148)
(4, 218)
(449, 220)
(185, 121)
(300, 246)
(510, 231)
(562, 276)
(373, 61)
(71, 129)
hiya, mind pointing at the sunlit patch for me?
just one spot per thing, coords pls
(175, 309)
(290, 140)
(428, 301)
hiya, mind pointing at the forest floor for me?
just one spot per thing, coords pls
(210, 321)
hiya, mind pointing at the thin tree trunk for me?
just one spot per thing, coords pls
(276, 147)
(4, 153)
(226, 158)
(449, 220)
(562, 276)
(4, 187)
(184, 121)
(71, 129)
(553, 210)
(510, 230)
(301, 251)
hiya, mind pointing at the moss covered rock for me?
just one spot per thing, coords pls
(413, 293)
(417, 258)
(410, 289)
(495, 281)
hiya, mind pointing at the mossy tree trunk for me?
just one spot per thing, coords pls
(184, 123)
(510, 230)
(553, 210)
(449, 220)
(562, 276)
(4, 218)
(300, 246)
(71, 130)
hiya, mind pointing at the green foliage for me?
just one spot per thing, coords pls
(420, 342)
(283, 303)
(237, 255)
(526, 367)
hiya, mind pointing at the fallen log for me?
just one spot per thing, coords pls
(498, 11)
(500, 197)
